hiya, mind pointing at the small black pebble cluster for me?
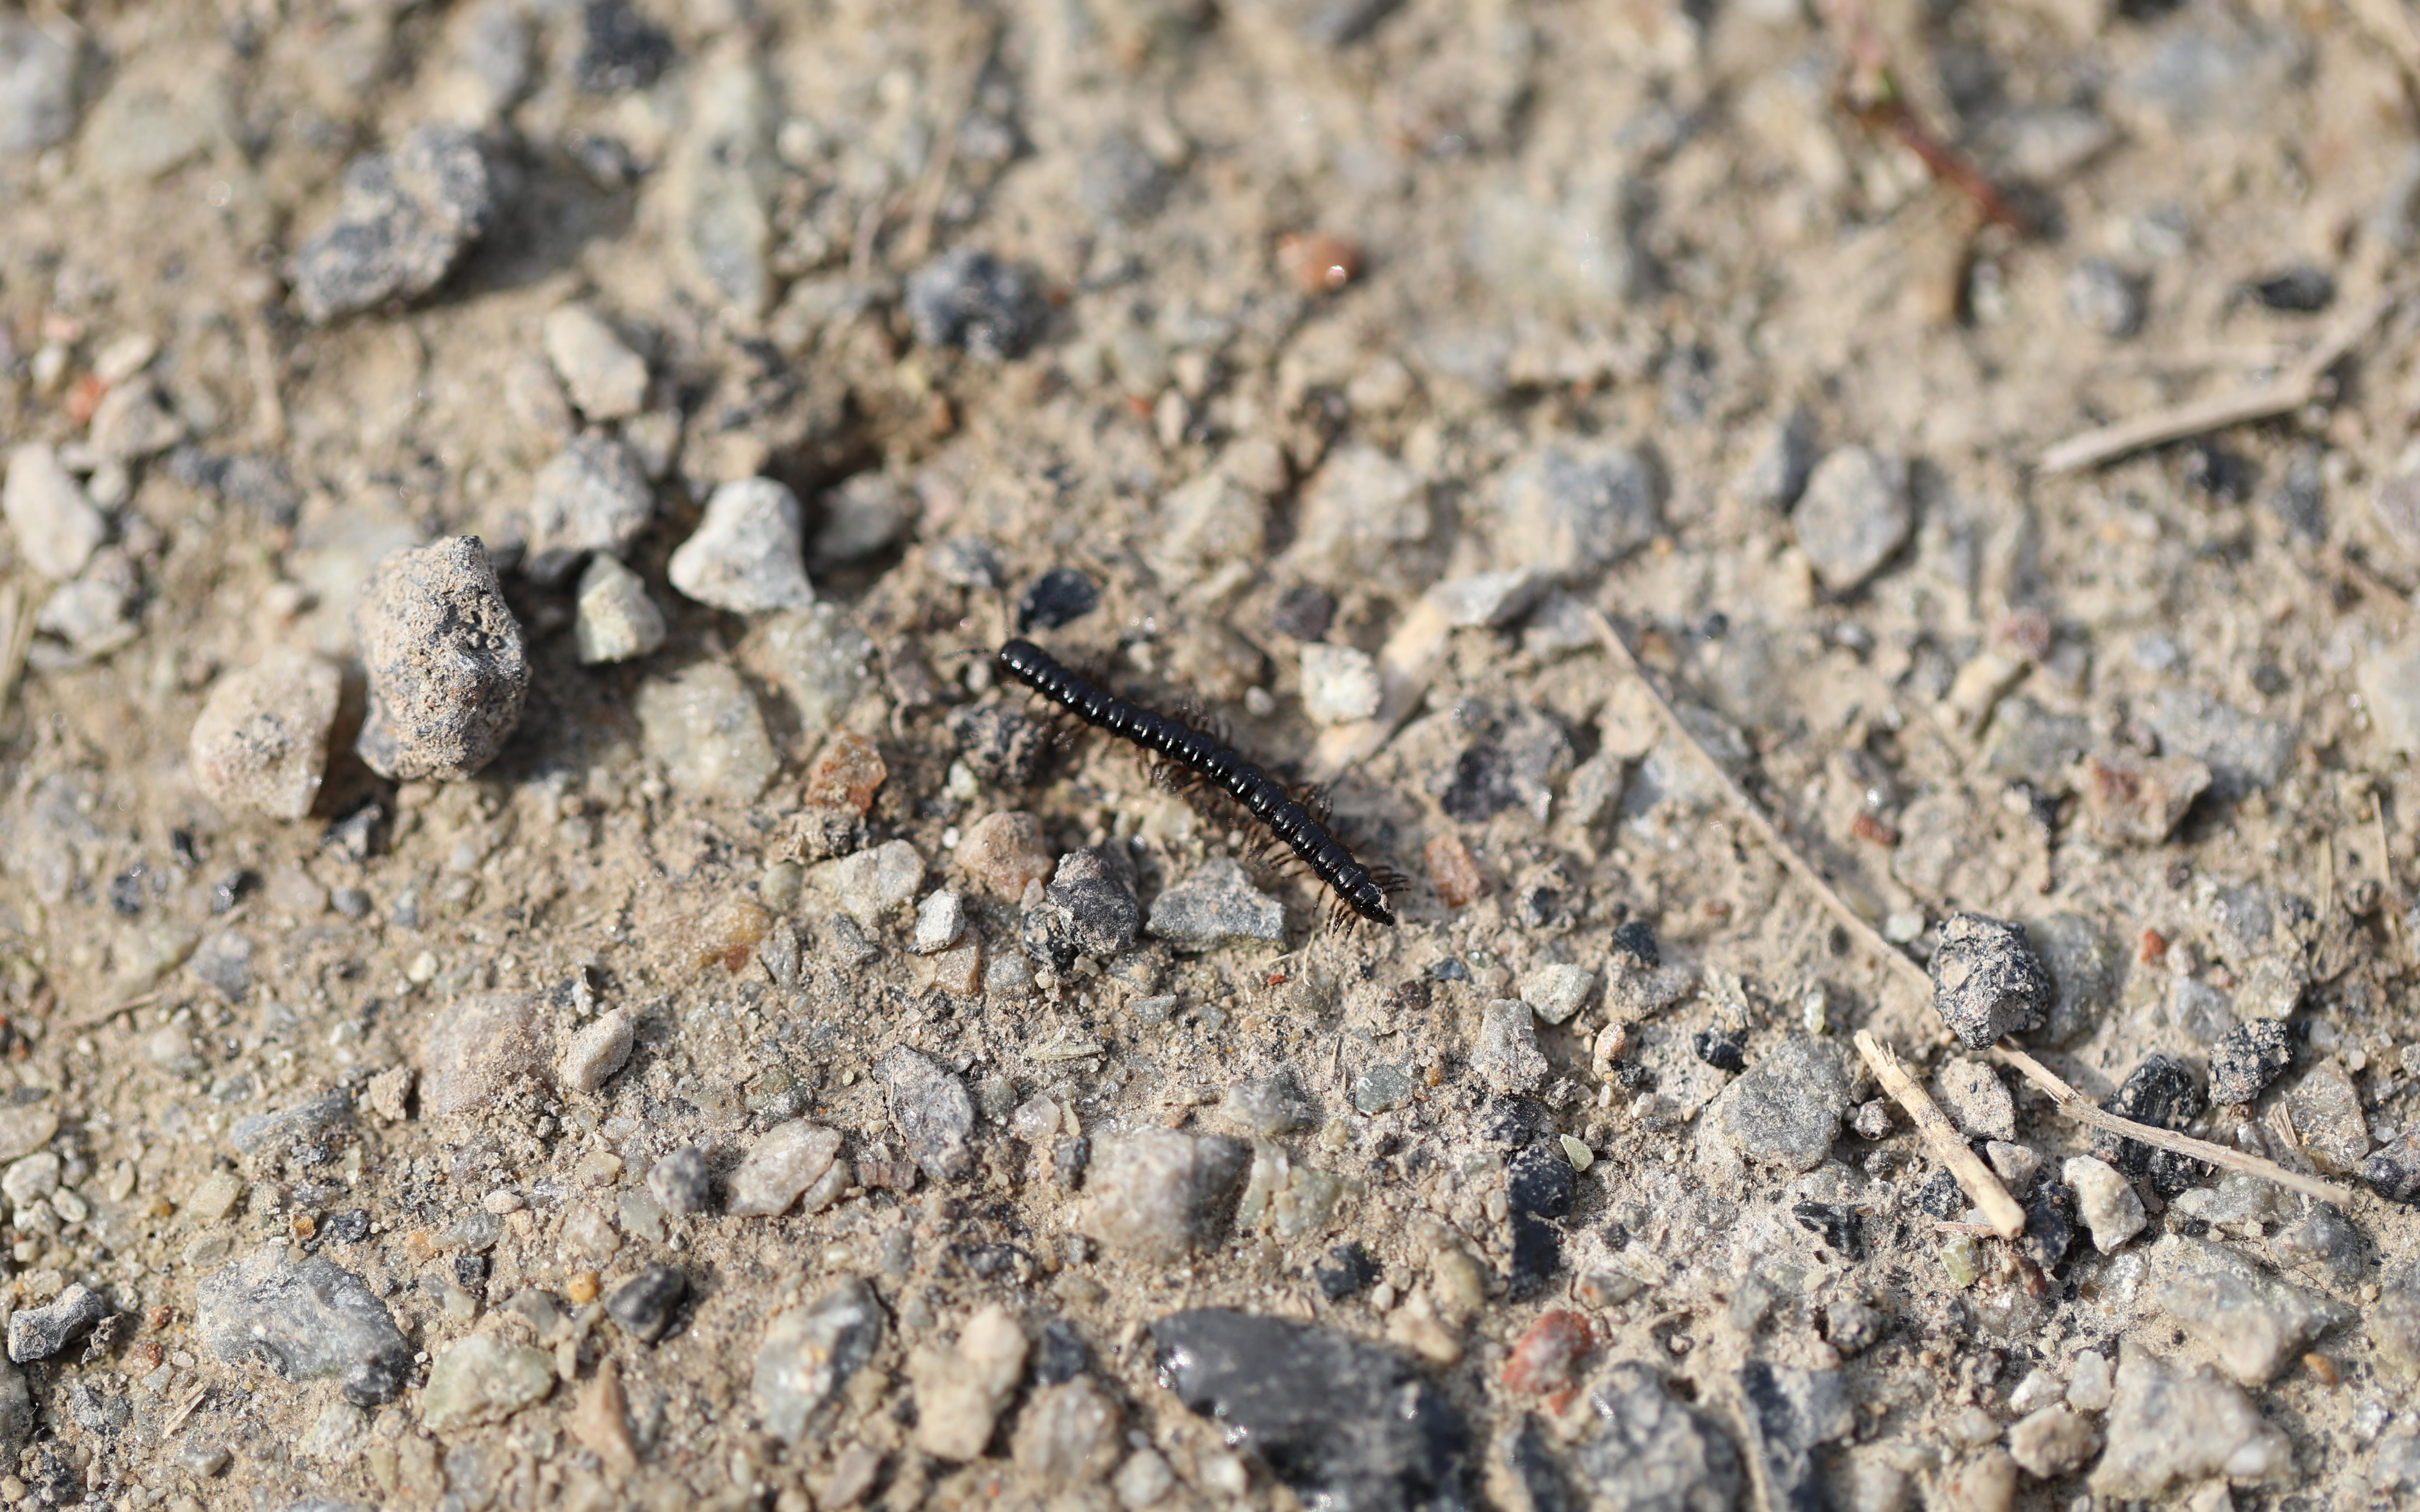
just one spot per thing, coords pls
(2160, 1092)
(2247, 1058)
(1720, 1049)
(1350, 1273)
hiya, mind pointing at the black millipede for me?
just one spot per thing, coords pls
(1215, 762)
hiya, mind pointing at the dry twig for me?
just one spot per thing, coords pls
(2306, 383)
(16, 638)
(2082, 1110)
(2001, 1214)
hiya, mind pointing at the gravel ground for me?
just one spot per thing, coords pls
(545, 963)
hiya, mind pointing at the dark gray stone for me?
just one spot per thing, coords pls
(40, 1333)
(1786, 1109)
(2160, 1092)
(294, 1125)
(1573, 509)
(311, 1321)
(1790, 1414)
(1985, 981)
(645, 1306)
(932, 1113)
(591, 497)
(681, 1182)
(1000, 743)
(970, 298)
(809, 1353)
(2087, 965)
(2244, 753)
(1343, 1423)
(2029, 743)
(2247, 1058)
(404, 219)
(1655, 1454)
(1094, 891)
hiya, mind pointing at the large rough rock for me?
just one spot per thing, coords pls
(809, 1353)
(1158, 1196)
(475, 1048)
(311, 1321)
(446, 672)
(1343, 1423)
(404, 220)
(2169, 1425)
(1655, 1454)
(262, 738)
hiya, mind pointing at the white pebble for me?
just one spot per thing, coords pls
(596, 1051)
(940, 918)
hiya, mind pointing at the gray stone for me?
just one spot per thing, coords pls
(967, 561)
(785, 1161)
(1157, 1195)
(960, 1392)
(1340, 684)
(1093, 893)
(2030, 742)
(2053, 1442)
(2107, 1202)
(35, 1176)
(483, 1379)
(38, 87)
(1215, 905)
(1779, 473)
(745, 555)
(1653, 1453)
(1853, 515)
(1507, 1056)
(1986, 982)
(878, 881)
(1558, 992)
(2169, 1425)
(940, 918)
(590, 498)
(18, 1418)
(724, 175)
(1976, 1101)
(821, 659)
(809, 1353)
(680, 1184)
(2253, 1323)
(133, 420)
(40, 1333)
(603, 377)
(447, 678)
(614, 619)
(597, 1050)
(968, 298)
(292, 1125)
(1358, 512)
(312, 1320)
(2327, 1113)
(476, 1049)
(1382, 1087)
(1489, 601)
(2244, 753)
(2138, 800)
(1268, 1107)
(404, 220)
(224, 963)
(2105, 298)
(932, 1113)
(91, 614)
(702, 727)
(861, 516)
(1120, 181)
(646, 1305)
(154, 120)
(55, 527)
(1570, 509)
(1791, 1414)
(2086, 967)
(1787, 1108)
(262, 738)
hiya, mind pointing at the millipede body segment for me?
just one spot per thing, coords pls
(1215, 761)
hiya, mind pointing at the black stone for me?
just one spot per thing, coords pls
(1351, 1275)
(2247, 1058)
(1049, 936)
(1940, 1195)
(471, 1273)
(1539, 1181)
(1789, 1416)
(2226, 475)
(1095, 890)
(1720, 1049)
(2160, 1092)
(126, 892)
(620, 49)
(645, 1306)
(970, 298)
(2050, 1226)
(1636, 938)
(1068, 1160)
(1536, 1254)
(359, 834)
(1061, 597)
(1516, 1122)
(1304, 612)
(1837, 1223)
(1061, 1354)
(1483, 785)
(2393, 1170)
(347, 1228)
(1345, 1424)
(2302, 290)
(232, 888)
(1000, 743)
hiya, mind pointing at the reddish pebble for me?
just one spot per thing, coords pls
(846, 775)
(1874, 831)
(1453, 870)
(1004, 852)
(84, 398)
(1547, 1355)
(1318, 263)
(2154, 946)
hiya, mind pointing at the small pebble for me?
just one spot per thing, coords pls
(1454, 872)
(2247, 1058)
(1057, 599)
(1214, 905)
(1340, 684)
(2111, 1209)
(1507, 1056)
(40, 1333)
(1570, 509)
(846, 774)
(680, 1182)
(785, 1161)
(2300, 290)
(447, 678)
(1005, 852)
(604, 378)
(589, 498)
(970, 299)
(1985, 981)
(262, 738)
(2138, 800)
(861, 516)
(1159, 1194)
(819, 658)
(940, 918)
(475, 1048)
(2107, 298)
(1976, 1101)
(403, 222)
(1558, 992)
(55, 527)
(703, 729)
(932, 1113)
(306, 1321)
(599, 1050)
(809, 1353)
(747, 552)
(1547, 1355)
(483, 1379)
(1853, 515)
(960, 1392)
(1304, 612)
(645, 1306)
(614, 620)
